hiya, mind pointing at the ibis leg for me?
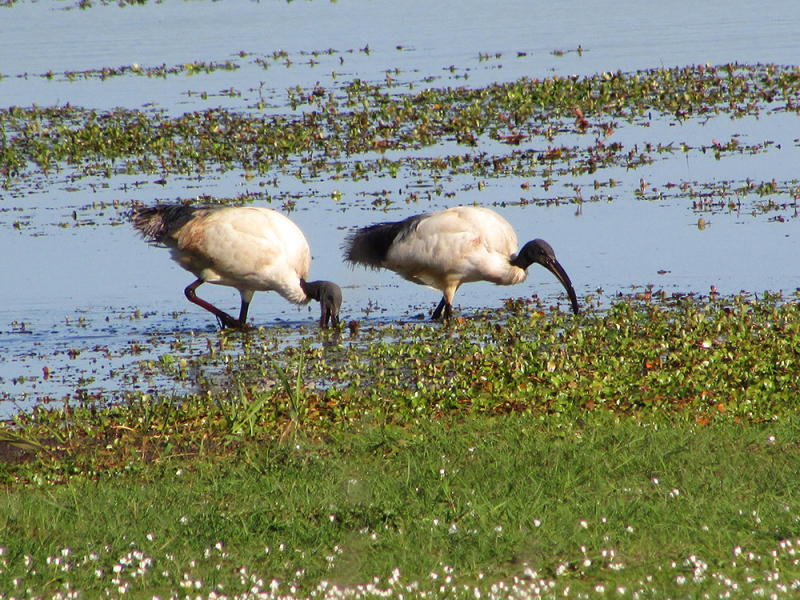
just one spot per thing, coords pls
(445, 306)
(224, 318)
(243, 313)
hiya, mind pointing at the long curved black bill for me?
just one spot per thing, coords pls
(556, 269)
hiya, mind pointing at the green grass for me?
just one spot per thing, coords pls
(650, 450)
(596, 502)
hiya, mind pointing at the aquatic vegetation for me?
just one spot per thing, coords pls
(700, 360)
(339, 130)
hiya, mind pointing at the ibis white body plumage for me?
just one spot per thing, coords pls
(251, 249)
(447, 248)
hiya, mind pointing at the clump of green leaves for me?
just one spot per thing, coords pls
(697, 360)
(336, 125)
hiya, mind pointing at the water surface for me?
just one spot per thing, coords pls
(79, 287)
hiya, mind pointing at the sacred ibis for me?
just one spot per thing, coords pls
(248, 248)
(446, 248)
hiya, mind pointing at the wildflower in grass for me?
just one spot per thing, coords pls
(537, 523)
(600, 588)
(680, 579)
(584, 524)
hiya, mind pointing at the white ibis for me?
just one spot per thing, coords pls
(248, 248)
(447, 248)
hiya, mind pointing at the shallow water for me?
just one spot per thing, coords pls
(71, 257)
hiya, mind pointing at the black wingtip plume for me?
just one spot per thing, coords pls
(158, 223)
(370, 245)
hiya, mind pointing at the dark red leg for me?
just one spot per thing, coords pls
(224, 318)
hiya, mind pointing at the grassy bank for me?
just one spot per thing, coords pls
(565, 506)
(643, 451)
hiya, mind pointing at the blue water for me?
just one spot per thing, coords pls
(96, 268)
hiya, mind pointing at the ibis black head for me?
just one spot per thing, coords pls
(329, 296)
(540, 252)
